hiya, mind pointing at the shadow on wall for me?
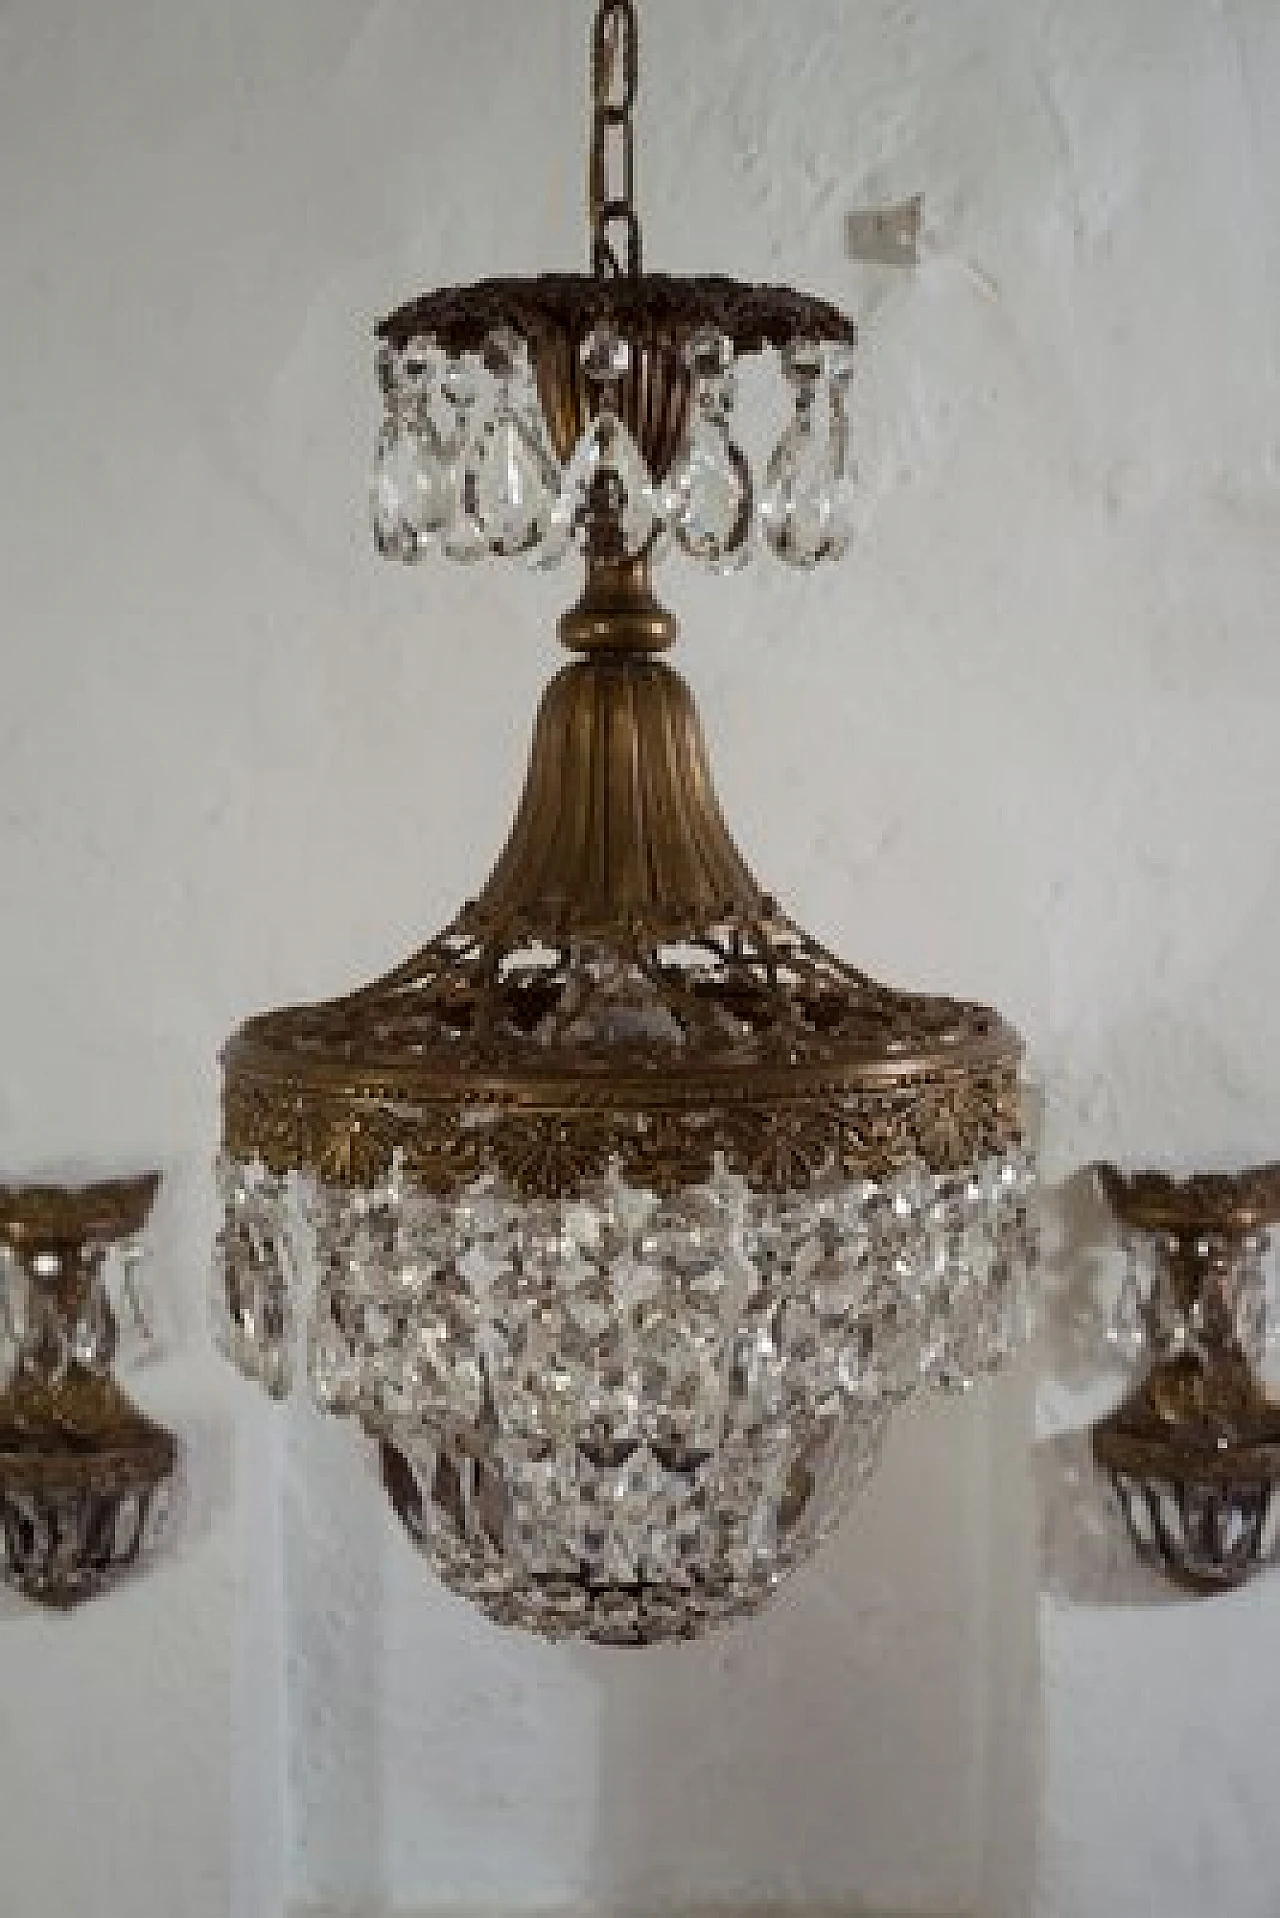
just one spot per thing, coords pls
(834, 1750)
(336, 1534)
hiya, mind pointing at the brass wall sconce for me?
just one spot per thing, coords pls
(1194, 1452)
(82, 1471)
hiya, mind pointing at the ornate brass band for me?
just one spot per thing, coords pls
(945, 1120)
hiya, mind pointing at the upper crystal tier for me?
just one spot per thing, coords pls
(618, 440)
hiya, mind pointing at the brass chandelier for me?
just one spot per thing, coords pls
(623, 1213)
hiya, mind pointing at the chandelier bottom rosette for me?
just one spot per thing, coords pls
(623, 1215)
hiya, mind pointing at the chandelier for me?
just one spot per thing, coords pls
(623, 1213)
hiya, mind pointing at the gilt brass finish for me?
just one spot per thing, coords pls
(1194, 1452)
(567, 305)
(616, 245)
(80, 1466)
(622, 990)
(617, 612)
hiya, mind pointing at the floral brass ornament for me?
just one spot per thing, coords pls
(546, 1158)
(623, 1212)
(781, 1151)
(1194, 1451)
(83, 1473)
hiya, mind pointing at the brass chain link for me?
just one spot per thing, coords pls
(615, 73)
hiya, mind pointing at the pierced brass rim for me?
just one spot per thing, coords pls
(780, 1057)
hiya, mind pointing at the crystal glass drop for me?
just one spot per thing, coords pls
(142, 1330)
(1126, 1327)
(1250, 1313)
(517, 481)
(465, 535)
(805, 509)
(707, 502)
(93, 1337)
(412, 484)
(332, 1364)
(606, 357)
(606, 472)
(13, 1315)
(409, 375)
(252, 1307)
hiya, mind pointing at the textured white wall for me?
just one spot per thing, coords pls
(1024, 744)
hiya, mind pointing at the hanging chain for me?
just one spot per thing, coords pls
(615, 73)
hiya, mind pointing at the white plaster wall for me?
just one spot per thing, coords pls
(241, 762)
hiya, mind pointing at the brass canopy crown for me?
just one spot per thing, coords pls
(621, 991)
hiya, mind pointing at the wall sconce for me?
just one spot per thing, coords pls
(82, 1471)
(1194, 1452)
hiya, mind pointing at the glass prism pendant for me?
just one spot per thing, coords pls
(412, 486)
(516, 479)
(707, 503)
(465, 536)
(805, 510)
(606, 461)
